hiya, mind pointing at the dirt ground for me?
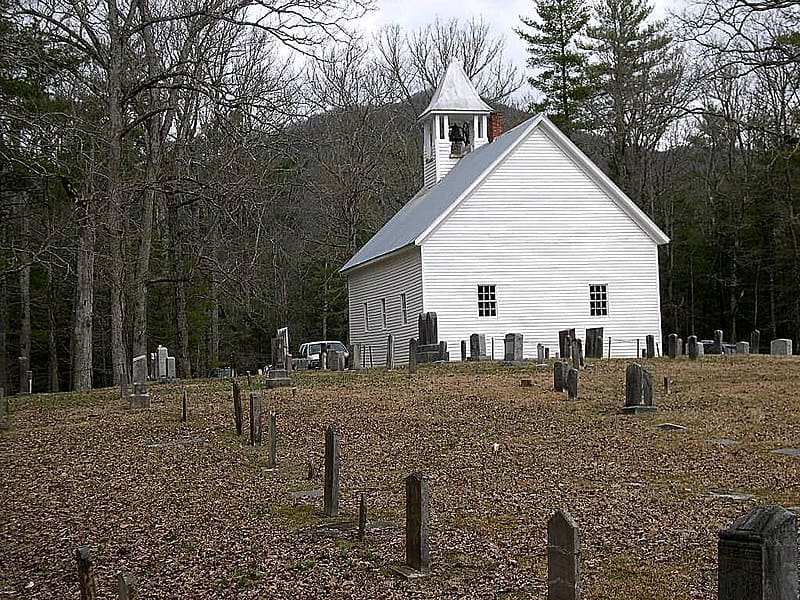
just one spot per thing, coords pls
(205, 518)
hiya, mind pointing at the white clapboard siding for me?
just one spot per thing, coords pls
(541, 230)
(386, 279)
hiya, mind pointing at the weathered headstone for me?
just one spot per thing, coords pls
(355, 357)
(417, 525)
(572, 384)
(429, 348)
(742, 348)
(87, 580)
(667, 384)
(576, 354)
(758, 556)
(140, 398)
(463, 350)
(127, 587)
(238, 413)
(672, 345)
(693, 347)
(563, 557)
(718, 341)
(272, 440)
(362, 516)
(184, 408)
(680, 347)
(650, 346)
(412, 355)
(594, 342)
(638, 390)
(513, 349)
(780, 347)
(560, 370)
(540, 354)
(161, 357)
(477, 347)
(171, 371)
(331, 492)
(565, 337)
(443, 353)
(755, 341)
(255, 419)
(390, 352)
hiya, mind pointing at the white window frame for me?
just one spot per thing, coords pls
(598, 299)
(403, 309)
(487, 300)
(366, 316)
(383, 312)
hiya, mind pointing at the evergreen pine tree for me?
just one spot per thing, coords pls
(559, 63)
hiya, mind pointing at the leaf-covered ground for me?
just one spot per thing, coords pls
(208, 519)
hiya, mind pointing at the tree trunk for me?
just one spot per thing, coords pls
(213, 342)
(3, 329)
(84, 301)
(52, 342)
(179, 275)
(24, 296)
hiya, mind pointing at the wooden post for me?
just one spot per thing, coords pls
(86, 575)
(417, 523)
(238, 415)
(184, 408)
(255, 419)
(127, 586)
(331, 493)
(272, 439)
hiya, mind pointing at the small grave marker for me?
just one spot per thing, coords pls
(650, 346)
(559, 376)
(272, 440)
(417, 523)
(87, 580)
(540, 354)
(672, 345)
(332, 457)
(238, 415)
(127, 586)
(255, 419)
(140, 398)
(463, 350)
(780, 347)
(390, 352)
(742, 348)
(563, 557)
(594, 342)
(638, 390)
(572, 384)
(412, 356)
(513, 349)
(184, 408)
(718, 341)
(477, 347)
(693, 347)
(527, 382)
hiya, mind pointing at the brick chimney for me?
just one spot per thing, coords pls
(497, 124)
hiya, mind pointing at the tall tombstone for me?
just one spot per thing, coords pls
(693, 347)
(513, 349)
(758, 556)
(572, 384)
(140, 398)
(672, 345)
(161, 357)
(390, 351)
(255, 419)
(355, 357)
(638, 390)
(594, 342)
(412, 355)
(565, 337)
(650, 346)
(443, 353)
(742, 348)
(680, 347)
(171, 371)
(238, 413)
(563, 557)
(560, 372)
(428, 329)
(463, 350)
(283, 346)
(332, 458)
(718, 341)
(417, 523)
(755, 341)
(780, 347)
(272, 440)
(477, 347)
(576, 354)
(540, 354)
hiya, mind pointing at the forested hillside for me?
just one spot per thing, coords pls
(193, 174)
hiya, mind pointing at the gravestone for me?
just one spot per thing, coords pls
(140, 398)
(238, 413)
(672, 345)
(565, 337)
(572, 384)
(153, 365)
(332, 458)
(780, 347)
(650, 346)
(680, 347)
(638, 390)
(390, 352)
(540, 354)
(758, 556)
(718, 342)
(355, 357)
(28, 382)
(171, 372)
(742, 348)
(255, 419)
(184, 408)
(463, 350)
(755, 341)
(563, 557)
(513, 349)
(412, 355)
(429, 349)
(417, 523)
(87, 579)
(560, 370)
(161, 357)
(272, 440)
(477, 347)
(127, 586)
(594, 342)
(576, 354)
(693, 347)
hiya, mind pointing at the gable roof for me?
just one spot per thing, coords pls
(421, 215)
(456, 94)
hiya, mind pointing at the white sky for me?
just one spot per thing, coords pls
(502, 16)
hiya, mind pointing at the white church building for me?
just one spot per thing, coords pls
(518, 234)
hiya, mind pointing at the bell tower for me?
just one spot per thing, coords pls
(454, 123)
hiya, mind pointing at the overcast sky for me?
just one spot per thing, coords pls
(502, 16)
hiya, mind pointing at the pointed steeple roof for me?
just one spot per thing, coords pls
(456, 94)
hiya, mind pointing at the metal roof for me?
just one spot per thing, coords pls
(430, 206)
(456, 94)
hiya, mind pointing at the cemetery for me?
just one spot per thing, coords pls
(558, 478)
